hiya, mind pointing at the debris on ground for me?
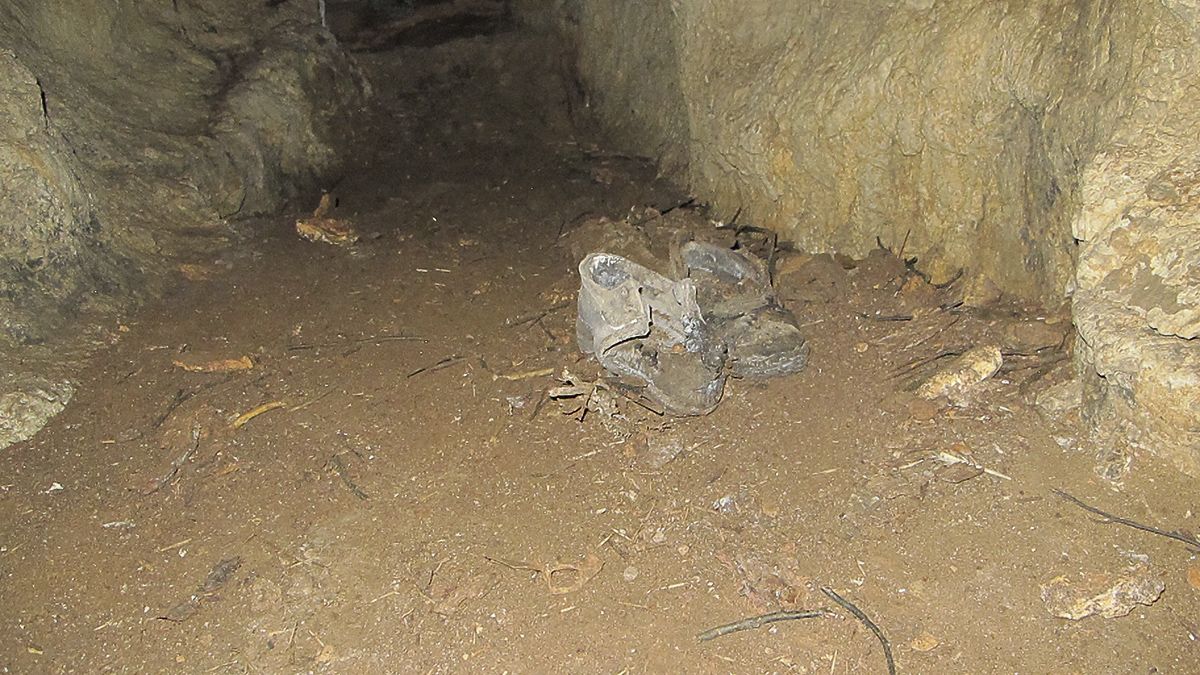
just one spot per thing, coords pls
(866, 621)
(199, 364)
(195, 272)
(451, 593)
(561, 578)
(589, 397)
(1102, 594)
(1184, 536)
(255, 412)
(959, 381)
(680, 336)
(925, 642)
(960, 467)
(760, 621)
(220, 575)
(1060, 400)
(321, 227)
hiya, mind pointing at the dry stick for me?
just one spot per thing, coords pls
(528, 318)
(1178, 536)
(903, 244)
(760, 621)
(541, 402)
(339, 468)
(178, 463)
(177, 400)
(373, 338)
(919, 363)
(886, 317)
(444, 363)
(866, 621)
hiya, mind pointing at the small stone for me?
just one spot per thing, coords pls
(1193, 576)
(725, 504)
(1033, 335)
(27, 405)
(1101, 594)
(959, 380)
(924, 643)
(917, 287)
(683, 549)
(1061, 399)
(862, 347)
(630, 573)
(981, 291)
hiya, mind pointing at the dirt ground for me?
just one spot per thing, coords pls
(392, 513)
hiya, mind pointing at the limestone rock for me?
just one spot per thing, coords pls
(27, 404)
(952, 128)
(1060, 399)
(1138, 275)
(959, 380)
(1101, 595)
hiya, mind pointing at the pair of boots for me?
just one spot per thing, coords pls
(680, 339)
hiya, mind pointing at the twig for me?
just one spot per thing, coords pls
(634, 395)
(903, 244)
(1177, 536)
(866, 621)
(886, 317)
(919, 363)
(245, 417)
(178, 463)
(529, 318)
(339, 467)
(177, 400)
(524, 375)
(444, 363)
(310, 401)
(519, 565)
(177, 544)
(541, 402)
(373, 338)
(662, 212)
(760, 621)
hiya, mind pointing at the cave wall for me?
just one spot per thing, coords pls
(134, 132)
(1044, 146)
(954, 129)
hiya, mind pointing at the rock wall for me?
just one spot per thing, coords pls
(133, 131)
(131, 134)
(1137, 298)
(954, 129)
(1012, 141)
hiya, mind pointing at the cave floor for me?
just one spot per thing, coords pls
(392, 512)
